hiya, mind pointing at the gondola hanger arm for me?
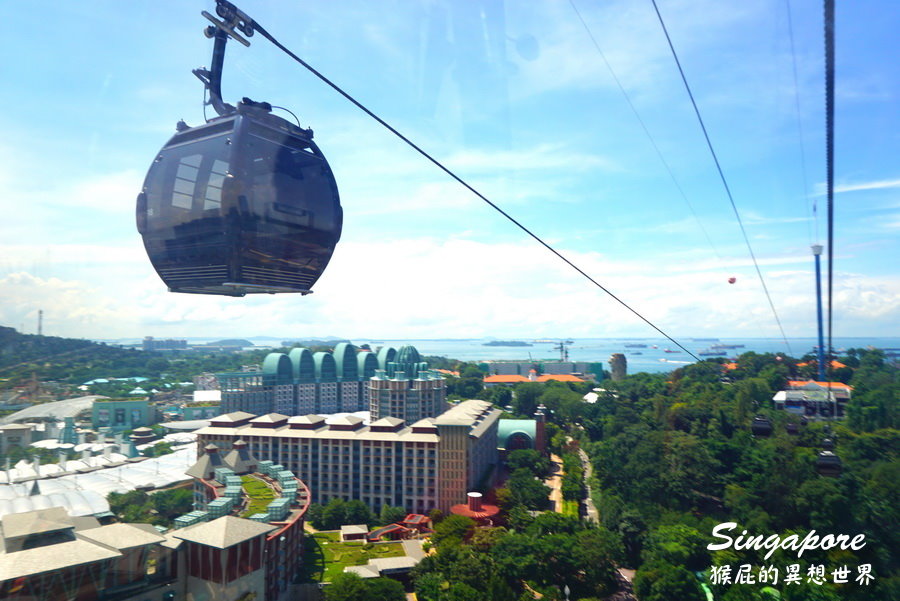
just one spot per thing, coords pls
(232, 20)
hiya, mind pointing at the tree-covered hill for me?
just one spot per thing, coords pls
(18, 348)
(74, 361)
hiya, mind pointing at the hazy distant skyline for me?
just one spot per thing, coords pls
(541, 128)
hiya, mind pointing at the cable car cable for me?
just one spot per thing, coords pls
(811, 200)
(263, 32)
(656, 148)
(722, 176)
(646, 130)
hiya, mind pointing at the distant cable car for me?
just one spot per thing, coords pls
(732, 280)
(761, 426)
(245, 203)
(828, 464)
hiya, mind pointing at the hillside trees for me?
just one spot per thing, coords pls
(675, 457)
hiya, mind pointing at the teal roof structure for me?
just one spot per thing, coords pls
(326, 368)
(507, 428)
(385, 356)
(278, 365)
(345, 361)
(408, 361)
(367, 363)
(303, 365)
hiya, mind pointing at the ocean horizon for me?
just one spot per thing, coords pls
(591, 350)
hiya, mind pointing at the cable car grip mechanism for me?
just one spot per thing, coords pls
(232, 21)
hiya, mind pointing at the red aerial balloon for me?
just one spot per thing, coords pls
(732, 280)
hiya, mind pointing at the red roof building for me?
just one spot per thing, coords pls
(476, 509)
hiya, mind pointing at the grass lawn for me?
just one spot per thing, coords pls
(325, 557)
(260, 495)
(570, 508)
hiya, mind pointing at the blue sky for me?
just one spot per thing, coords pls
(517, 100)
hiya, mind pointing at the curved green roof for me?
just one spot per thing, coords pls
(345, 359)
(279, 365)
(304, 368)
(385, 355)
(507, 428)
(407, 354)
(408, 361)
(367, 364)
(326, 368)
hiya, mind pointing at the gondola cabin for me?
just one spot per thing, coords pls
(828, 464)
(245, 203)
(761, 426)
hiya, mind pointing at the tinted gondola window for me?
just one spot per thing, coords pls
(186, 181)
(212, 201)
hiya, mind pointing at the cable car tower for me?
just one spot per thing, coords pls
(244, 203)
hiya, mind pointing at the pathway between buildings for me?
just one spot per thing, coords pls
(592, 514)
(555, 483)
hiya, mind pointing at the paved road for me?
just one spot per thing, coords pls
(555, 483)
(592, 514)
(413, 548)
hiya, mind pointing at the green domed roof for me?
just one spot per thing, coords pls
(345, 360)
(277, 364)
(385, 355)
(303, 365)
(407, 354)
(509, 428)
(326, 368)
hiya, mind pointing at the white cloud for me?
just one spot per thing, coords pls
(884, 184)
(420, 288)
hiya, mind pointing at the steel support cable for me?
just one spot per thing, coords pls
(722, 177)
(644, 127)
(262, 31)
(811, 200)
(653, 143)
(829, 147)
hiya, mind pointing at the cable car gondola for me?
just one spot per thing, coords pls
(245, 203)
(828, 464)
(761, 426)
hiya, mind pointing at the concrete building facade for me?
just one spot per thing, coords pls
(618, 366)
(15, 435)
(405, 388)
(302, 382)
(117, 415)
(430, 463)
(814, 399)
(47, 555)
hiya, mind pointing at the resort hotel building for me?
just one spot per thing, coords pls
(389, 383)
(419, 465)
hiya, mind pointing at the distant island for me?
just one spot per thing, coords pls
(231, 342)
(317, 342)
(507, 343)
